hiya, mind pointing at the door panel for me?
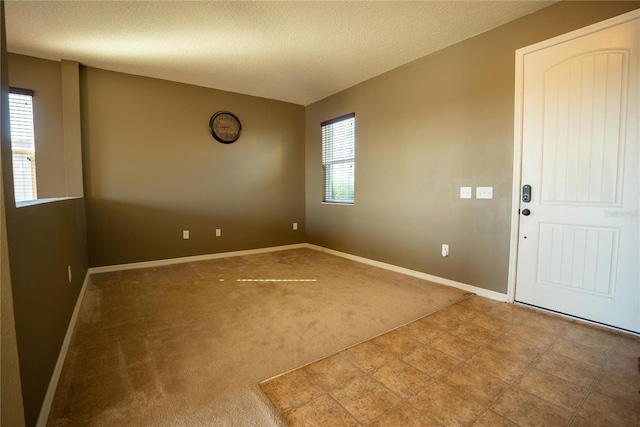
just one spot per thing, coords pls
(582, 119)
(578, 250)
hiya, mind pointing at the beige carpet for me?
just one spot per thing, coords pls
(186, 345)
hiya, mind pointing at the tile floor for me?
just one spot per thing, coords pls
(475, 363)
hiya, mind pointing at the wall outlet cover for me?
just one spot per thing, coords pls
(465, 192)
(484, 192)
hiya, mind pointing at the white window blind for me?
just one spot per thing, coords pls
(23, 144)
(338, 159)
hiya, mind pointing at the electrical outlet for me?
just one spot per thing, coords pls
(295, 225)
(185, 234)
(218, 232)
(69, 271)
(445, 250)
(484, 192)
(465, 192)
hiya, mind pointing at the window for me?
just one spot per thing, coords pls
(23, 144)
(338, 159)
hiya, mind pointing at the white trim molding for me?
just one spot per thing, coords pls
(517, 129)
(45, 409)
(497, 296)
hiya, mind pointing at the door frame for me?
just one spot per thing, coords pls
(517, 130)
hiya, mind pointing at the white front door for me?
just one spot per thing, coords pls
(578, 247)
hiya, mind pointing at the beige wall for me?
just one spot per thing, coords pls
(42, 241)
(11, 408)
(152, 169)
(45, 79)
(423, 131)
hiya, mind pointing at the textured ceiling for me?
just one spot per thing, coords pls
(298, 52)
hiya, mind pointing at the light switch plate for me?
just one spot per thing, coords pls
(484, 192)
(465, 192)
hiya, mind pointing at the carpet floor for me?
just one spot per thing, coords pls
(187, 344)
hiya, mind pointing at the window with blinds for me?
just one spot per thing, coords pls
(338, 159)
(23, 144)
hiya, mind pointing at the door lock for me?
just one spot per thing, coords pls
(526, 193)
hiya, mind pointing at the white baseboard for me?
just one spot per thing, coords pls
(170, 261)
(45, 409)
(497, 296)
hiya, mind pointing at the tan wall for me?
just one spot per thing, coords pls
(423, 131)
(42, 241)
(152, 169)
(45, 79)
(11, 408)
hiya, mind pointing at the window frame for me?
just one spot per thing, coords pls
(327, 177)
(31, 154)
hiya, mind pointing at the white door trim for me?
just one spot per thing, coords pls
(517, 130)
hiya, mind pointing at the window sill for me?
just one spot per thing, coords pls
(338, 204)
(26, 203)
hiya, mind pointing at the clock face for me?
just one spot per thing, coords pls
(225, 127)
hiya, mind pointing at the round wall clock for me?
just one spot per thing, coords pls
(225, 127)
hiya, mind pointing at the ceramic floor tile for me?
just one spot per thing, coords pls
(401, 378)
(526, 409)
(365, 398)
(579, 373)
(520, 346)
(512, 313)
(543, 321)
(366, 356)
(628, 346)
(475, 334)
(447, 405)
(476, 383)
(396, 342)
(290, 390)
(464, 314)
(430, 361)
(599, 410)
(591, 336)
(422, 332)
(623, 370)
(456, 347)
(552, 389)
(536, 336)
(579, 352)
(530, 368)
(404, 415)
(491, 419)
(321, 412)
(331, 372)
(441, 320)
(492, 323)
(477, 304)
(619, 391)
(507, 367)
